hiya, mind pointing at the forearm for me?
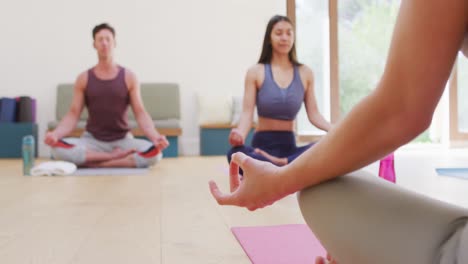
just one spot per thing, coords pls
(245, 124)
(66, 126)
(320, 122)
(146, 125)
(375, 127)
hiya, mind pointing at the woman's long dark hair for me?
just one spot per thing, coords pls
(267, 50)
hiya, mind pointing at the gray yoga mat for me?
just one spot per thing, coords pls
(110, 172)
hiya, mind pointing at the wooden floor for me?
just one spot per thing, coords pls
(165, 217)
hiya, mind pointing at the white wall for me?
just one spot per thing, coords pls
(205, 45)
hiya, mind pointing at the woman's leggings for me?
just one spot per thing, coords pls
(362, 219)
(281, 144)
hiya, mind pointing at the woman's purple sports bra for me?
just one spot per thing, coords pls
(279, 103)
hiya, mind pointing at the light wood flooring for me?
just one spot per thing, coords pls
(167, 216)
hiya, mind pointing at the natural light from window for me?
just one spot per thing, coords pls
(312, 44)
(462, 85)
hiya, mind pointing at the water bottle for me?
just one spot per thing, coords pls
(387, 168)
(28, 154)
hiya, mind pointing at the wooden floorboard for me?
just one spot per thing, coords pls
(167, 216)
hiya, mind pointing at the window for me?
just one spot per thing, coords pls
(346, 42)
(312, 46)
(364, 32)
(459, 91)
(462, 89)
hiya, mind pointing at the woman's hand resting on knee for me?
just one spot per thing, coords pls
(261, 185)
(236, 138)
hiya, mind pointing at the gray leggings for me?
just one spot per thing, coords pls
(362, 219)
(77, 154)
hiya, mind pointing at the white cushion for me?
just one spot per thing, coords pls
(214, 109)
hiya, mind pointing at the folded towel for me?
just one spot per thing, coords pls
(50, 168)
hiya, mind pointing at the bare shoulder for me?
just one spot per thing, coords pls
(130, 74)
(81, 81)
(256, 73)
(255, 70)
(307, 75)
(131, 79)
(306, 71)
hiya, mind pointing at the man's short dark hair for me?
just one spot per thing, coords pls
(102, 26)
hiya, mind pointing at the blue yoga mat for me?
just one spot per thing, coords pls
(453, 172)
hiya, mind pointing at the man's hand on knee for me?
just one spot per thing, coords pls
(161, 142)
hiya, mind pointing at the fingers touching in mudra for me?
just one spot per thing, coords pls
(258, 188)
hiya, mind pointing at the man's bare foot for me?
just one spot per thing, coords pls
(273, 159)
(118, 153)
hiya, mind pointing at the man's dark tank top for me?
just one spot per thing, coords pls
(107, 102)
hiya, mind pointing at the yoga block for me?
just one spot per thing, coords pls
(215, 141)
(11, 137)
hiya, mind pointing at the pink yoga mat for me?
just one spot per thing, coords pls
(288, 244)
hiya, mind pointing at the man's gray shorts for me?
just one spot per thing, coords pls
(77, 153)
